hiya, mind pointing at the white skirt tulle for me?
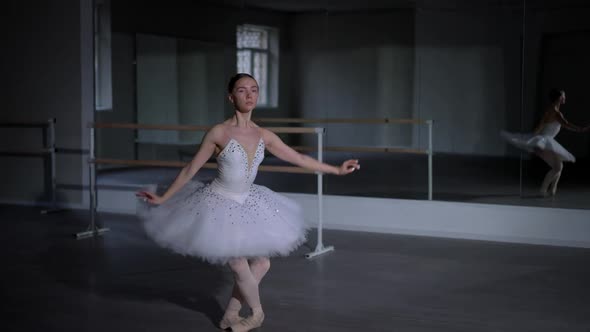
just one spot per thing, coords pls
(199, 222)
(534, 143)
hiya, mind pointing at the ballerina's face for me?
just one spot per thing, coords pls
(244, 96)
(562, 98)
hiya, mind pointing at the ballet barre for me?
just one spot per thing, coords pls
(49, 149)
(340, 120)
(94, 230)
(428, 123)
(164, 163)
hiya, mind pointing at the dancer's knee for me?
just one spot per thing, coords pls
(558, 168)
(261, 264)
(238, 265)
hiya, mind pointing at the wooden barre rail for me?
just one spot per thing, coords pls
(162, 163)
(363, 149)
(148, 126)
(290, 130)
(278, 130)
(26, 124)
(32, 153)
(339, 148)
(341, 120)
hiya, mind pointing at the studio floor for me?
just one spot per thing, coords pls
(122, 281)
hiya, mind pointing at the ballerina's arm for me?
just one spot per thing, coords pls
(282, 151)
(564, 122)
(205, 152)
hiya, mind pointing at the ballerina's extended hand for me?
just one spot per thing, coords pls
(349, 166)
(149, 197)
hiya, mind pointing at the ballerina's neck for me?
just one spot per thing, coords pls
(242, 120)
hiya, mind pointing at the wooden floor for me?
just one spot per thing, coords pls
(372, 282)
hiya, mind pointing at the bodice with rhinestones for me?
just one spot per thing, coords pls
(551, 129)
(235, 173)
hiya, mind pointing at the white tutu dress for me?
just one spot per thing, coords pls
(545, 140)
(229, 217)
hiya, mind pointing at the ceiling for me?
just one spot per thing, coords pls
(321, 5)
(300, 6)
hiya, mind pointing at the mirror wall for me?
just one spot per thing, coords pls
(556, 57)
(475, 68)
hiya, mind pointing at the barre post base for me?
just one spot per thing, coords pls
(91, 232)
(319, 250)
(52, 210)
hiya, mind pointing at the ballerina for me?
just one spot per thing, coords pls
(542, 142)
(231, 220)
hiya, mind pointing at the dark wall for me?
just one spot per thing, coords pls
(44, 66)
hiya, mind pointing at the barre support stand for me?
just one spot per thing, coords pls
(93, 230)
(320, 249)
(52, 153)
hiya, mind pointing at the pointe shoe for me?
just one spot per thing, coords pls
(544, 192)
(548, 192)
(229, 318)
(249, 323)
(554, 187)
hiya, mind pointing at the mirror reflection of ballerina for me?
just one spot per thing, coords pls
(542, 142)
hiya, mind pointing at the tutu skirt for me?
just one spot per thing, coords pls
(199, 222)
(535, 143)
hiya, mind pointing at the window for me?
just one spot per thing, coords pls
(103, 94)
(257, 55)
